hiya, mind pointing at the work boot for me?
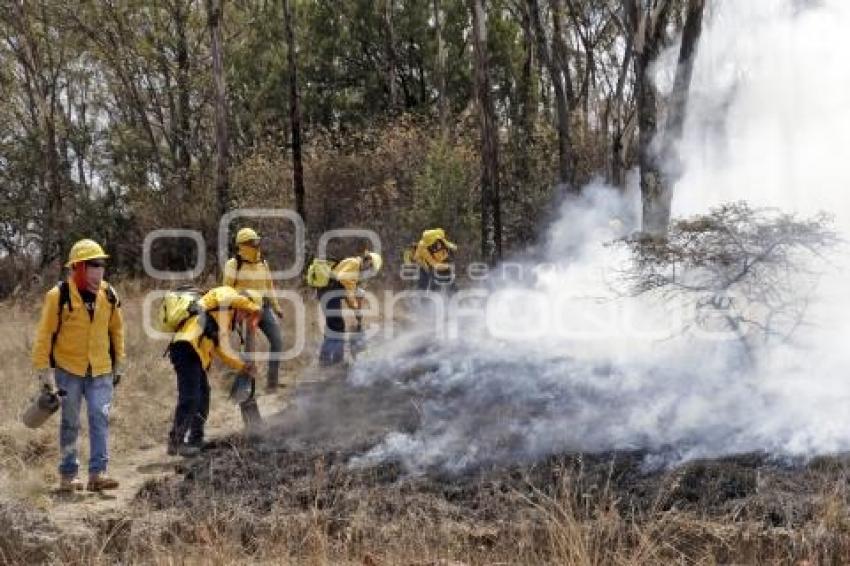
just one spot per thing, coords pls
(185, 450)
(101, 482)
(189, 450)
(70, 484)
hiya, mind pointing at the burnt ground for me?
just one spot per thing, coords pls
(303, 486)
(307, 472)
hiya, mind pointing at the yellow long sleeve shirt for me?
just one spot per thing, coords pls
(219, 303)
(254, 274)
(83, 341)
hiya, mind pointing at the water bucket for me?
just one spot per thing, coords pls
(41, 408)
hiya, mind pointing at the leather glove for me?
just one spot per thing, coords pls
(46, 379)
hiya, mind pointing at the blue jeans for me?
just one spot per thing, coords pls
(97, 392)
(332, 351)
(333, 346)
(270, 327)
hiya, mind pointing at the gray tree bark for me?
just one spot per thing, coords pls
(389, 38)
(491, 222)
(294, 112)
(182, 126)
(562, 110)
(222, 141)
(442, 102)
(659, 167)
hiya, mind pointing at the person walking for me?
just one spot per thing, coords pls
(79, 350)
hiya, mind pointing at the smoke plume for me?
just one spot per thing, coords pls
(564, 362)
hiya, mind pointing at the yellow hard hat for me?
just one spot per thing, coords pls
(377, 261)
(246, 235)
(85, 250)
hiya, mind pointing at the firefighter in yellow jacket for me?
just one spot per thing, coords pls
(248, 270)
(201, 338)
(79, 349)
(433, 255)
(344, 290)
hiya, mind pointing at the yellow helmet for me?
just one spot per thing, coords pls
(430, 237)
(377, 261)
(85, 250)
(246, 235)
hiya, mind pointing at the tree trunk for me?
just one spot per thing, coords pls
(528, 91)
(659, 169)
(655, 215)
(389, 37)
(560, 51)
(682, 83)
(182, 135)
(222, 141)
(491, 223)
(622, 121)
(43, 84)
(294, 111)
(562, 111)
(647, 25)
(442, 102)
(55, 222)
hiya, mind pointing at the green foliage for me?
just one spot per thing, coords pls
(107, 119)
(445, 194)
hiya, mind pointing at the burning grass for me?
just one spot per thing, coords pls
(303, 493)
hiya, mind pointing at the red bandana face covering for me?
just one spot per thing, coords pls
(78, 275)
(82, 279)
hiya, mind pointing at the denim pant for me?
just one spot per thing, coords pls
(193, 395)
(270, 327)
(426, 279)
(333, 346)
(97, 392)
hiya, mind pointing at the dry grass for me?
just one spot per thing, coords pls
(142, 407)
(266, 503)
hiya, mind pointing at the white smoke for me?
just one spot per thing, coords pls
(768, 118)
(584, 369)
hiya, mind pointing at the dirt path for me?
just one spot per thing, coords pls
(133, 469)
(70, 513)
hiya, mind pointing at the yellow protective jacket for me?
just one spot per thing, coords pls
(253, 274)
(219, 303)
(433, 260)
(82, 343)
(347, 272)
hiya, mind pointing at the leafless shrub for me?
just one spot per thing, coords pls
(745, 270)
